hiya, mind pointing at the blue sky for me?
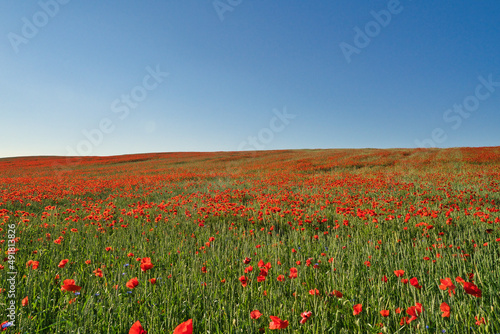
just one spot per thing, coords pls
(118, 77)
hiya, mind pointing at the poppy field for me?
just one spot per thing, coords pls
(296, 241)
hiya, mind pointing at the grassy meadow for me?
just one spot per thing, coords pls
(328, 241)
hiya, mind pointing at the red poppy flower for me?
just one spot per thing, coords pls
(247, 260)
(69, 285)
(244, 281)
(130, 254)
(153, 280)
(414, 282)
(384, 313)
(137, 328)
(314, 292)
(479, 322)
(305, 316)
(293, 273)
(62, 263)
(367, 263)
(414, 312)
(472, 289)
(445, 309)
(261, 278)
(184, 328)
(447, 283)
(280, 278)
(146, 266)
(255, 314)
(336, 293)
(132, 283)
(356, 309)
(98, 272)
(404, 280)
(419, 308)
(24, 302)
(277, 323)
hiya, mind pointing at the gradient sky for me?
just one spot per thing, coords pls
(232, 68)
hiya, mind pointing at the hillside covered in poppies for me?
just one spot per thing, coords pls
(292, 241)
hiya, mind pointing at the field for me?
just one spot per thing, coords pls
(328, 241)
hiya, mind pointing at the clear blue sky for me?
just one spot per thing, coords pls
(67, 67)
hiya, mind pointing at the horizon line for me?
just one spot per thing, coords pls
(242, 151)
